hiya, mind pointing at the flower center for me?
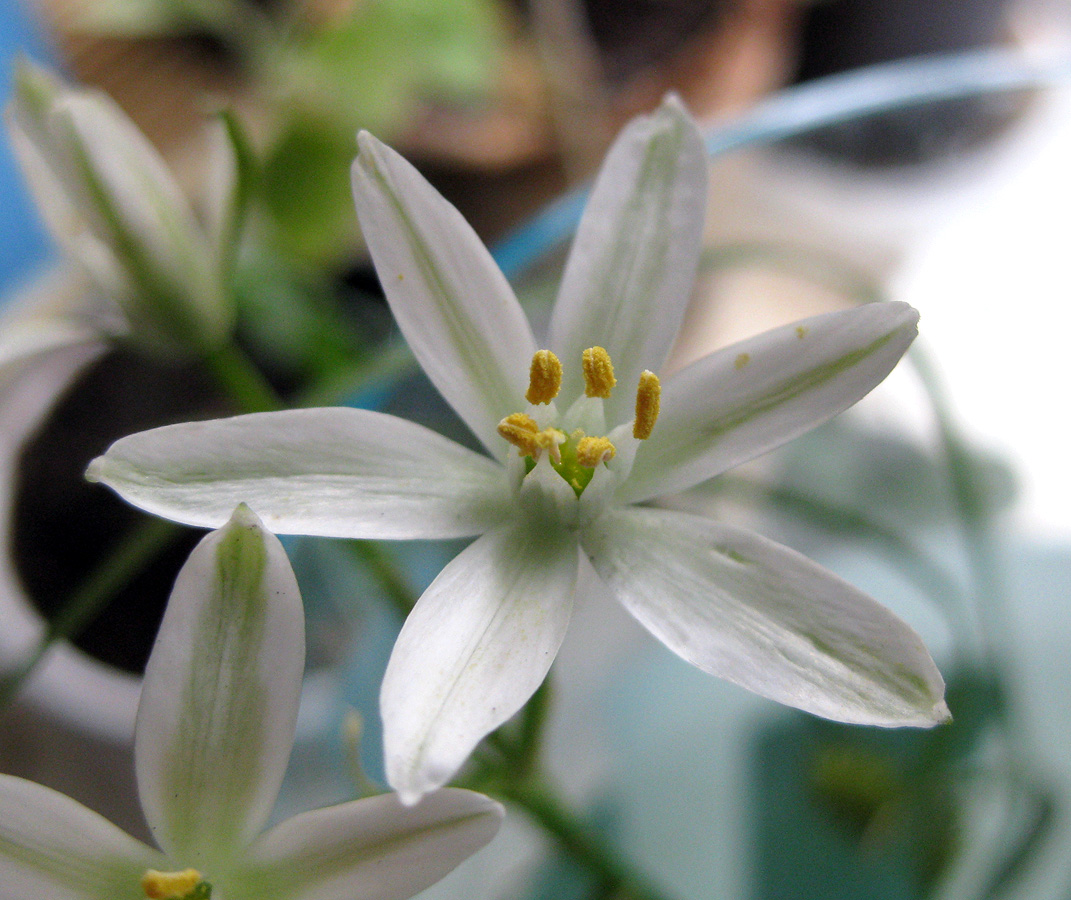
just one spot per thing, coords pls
(185, 885)
(576, 455)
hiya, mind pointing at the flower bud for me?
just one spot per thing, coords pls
(112, 204)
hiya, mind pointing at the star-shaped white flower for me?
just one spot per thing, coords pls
(564, 487)
(214, 732)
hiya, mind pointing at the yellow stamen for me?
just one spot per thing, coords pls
(520, 430)
(548, 439)
(544, 378)
(598, 372)
(169, 885)
(648, 396)
(523, 432)
(590, 451)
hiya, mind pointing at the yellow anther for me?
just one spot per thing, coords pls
(524, 433)
(520, 430)
(648, 397)
(169, 885)
(590, 451)
(598, 372)
(544, 378)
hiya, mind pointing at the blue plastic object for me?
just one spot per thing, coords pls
(25, 244)
(816, 104)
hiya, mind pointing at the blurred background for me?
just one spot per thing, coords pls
(946, 494)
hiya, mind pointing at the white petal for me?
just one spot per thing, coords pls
(26, 342)
(112, 203)
(760, 615)
(371, 849)
(134, 205)
(44, 164)
(473, 650)
(454, 306)
(330, 472)
(632, 266)
(27, 118)
(744, 400)
(219, 704)
(52, 847)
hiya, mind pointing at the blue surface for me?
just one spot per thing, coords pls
(810, 106)
(24, 243)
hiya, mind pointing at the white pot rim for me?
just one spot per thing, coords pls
(92, 696)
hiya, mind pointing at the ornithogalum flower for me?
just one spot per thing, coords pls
(581, 435)
(120, 218)
(214, 731)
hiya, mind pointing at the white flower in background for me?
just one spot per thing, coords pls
(577, 446)
(214, 732)
(46, 317)
(115, 210)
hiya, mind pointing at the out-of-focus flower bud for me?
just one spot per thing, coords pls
(112, 204)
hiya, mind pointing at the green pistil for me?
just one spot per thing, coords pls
(576, 475)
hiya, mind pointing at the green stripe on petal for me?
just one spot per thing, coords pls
(632, 266)
(111, 201)
(330, 472)
(762, 616)
(218, 708)
(475, 647)
(745, 400)
(370, 849)
(451, 301)
(53, 847)
(134, 206)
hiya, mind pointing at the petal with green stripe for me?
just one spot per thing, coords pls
(218, 708)
(745, 400)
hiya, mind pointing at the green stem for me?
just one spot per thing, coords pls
(580, 841)
(530, 739)
(137, 547)
(981, 548)
(382, 564)
(507, 765)
(241, 379)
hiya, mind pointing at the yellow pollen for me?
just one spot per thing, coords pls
(520, 430)
(590, 451)
(598, 372)
(523, 432)
(169, 885)
(648, 396)
(544, 378)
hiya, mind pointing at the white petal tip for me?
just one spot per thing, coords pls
(415, 784)
(368, 145)
(94, 472)
(941, 714)
(410, 798)
(905, 311)
(242, 517)
(672, 101)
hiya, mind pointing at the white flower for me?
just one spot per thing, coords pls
(115, 210)
(484, 634)
(214, 732)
